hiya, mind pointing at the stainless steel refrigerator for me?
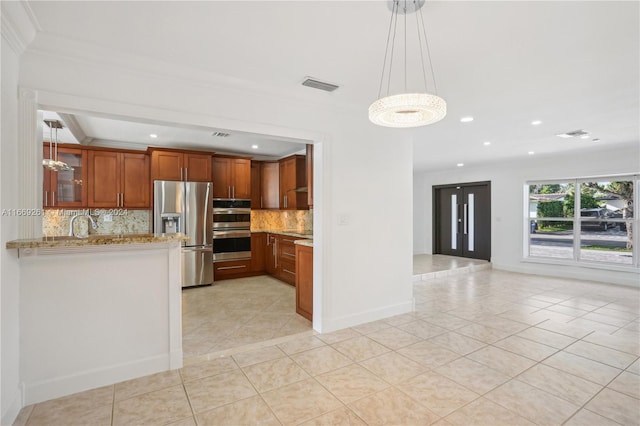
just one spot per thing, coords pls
(186, 207)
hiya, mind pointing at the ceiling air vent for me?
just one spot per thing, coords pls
(574, 134)
(220, 134)
(317, 84)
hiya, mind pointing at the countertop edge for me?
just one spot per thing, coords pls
(284, 232)
(95, 240)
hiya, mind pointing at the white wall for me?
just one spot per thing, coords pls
(10, 402)
(507, 180)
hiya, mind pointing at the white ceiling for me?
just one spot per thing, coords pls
(573, 65)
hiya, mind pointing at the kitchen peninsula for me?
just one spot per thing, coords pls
(97, 310)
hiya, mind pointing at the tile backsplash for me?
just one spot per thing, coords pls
(56, 222)
(124, 221)
(280, 220)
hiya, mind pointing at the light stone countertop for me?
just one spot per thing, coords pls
(308, 243)
(95, 240)
(307, 235)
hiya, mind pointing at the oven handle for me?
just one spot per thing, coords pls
(221, 210)
(231, 234)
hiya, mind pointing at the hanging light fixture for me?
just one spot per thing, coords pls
(406, 109)
(52, 163)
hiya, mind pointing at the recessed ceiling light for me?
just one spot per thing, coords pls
(254, 146)
(460, 164)
(536, 122)
(487, 143)
(530, 152)
(466, 119)
(596, 140)
(153, 136)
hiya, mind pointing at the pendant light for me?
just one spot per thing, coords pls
(408, 109)
(52, 163)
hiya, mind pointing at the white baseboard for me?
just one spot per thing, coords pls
(61, 386)
(333, 324)
(561, 271)
(10, 414)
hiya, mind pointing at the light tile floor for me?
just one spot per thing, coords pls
(238, 312)
(486, 348)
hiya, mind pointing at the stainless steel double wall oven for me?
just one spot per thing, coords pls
(231, 229)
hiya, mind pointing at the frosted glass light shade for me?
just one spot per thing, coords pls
(407, 110)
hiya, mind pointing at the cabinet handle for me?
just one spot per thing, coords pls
(46, 198)
(289, 254)
(286, 270)
(234, 192)
(261, 201)
(53, 198)
(275, 252)
(231, 267)
(122, 199)
(228, 191)
(186, 174)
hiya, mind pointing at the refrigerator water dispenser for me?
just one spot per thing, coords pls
(170, 223)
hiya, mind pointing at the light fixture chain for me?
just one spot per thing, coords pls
(405, 46)
(393, 43)
(424, 71)
(386, 50)
(426, 42)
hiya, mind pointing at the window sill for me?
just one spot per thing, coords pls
(582, 264)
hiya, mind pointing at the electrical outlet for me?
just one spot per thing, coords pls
(107, 218)
(343, 219)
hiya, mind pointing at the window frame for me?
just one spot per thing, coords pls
(577, 221)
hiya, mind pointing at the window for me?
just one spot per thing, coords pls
(593, 228)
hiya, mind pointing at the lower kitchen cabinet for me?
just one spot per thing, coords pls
(280, 257)
(304, 281)
(286, 259)
(258, 248)
(270, 257)
(231, 269)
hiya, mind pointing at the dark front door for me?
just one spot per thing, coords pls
(462, 220)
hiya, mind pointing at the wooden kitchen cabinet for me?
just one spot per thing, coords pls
(231, 177)
(304, 281)
(271, 258)
(65, 188)
(180, 165)
(258, 249)
(286, 259)
(265, 178)
(309, 169)
(231, 269)
(118, 179)
(270, 185)
(293, 183)
(256, 194)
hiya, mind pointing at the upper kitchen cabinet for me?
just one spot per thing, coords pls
(118, 179)
(309, 166)
(256, 195)
(231, 177)
(293, 183)
(180, 165)
(65, 188)
(265, 178)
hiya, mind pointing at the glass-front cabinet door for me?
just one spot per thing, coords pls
(66, 188)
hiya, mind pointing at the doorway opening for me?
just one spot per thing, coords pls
(462, 220)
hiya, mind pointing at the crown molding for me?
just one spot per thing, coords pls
(19, 25)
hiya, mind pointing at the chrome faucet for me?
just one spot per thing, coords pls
(94, 225)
